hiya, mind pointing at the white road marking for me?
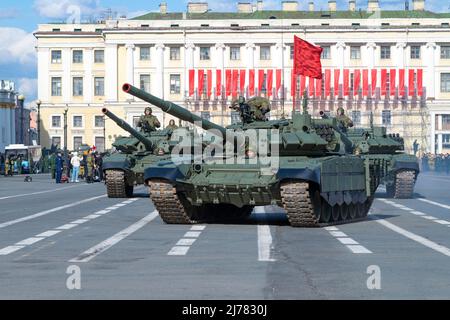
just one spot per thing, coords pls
(429, 218)
(104, 211)
(427, 243)
(39, 192)
(185, 242)
(178, 251)
(192, 234)
(43, 213)
(66, 226)
(198, 228)
(120, 205)
(443, 222)
(112, 208)
(108, 243)
(264, 243)
(7, 250)
(351, 244)
(418, 213)
(80, 221)
(435, 203)
(49, 233)
(92, 216)
(29, 241)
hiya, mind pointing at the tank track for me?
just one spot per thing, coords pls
(302, 211)
(167, 202)
(116, 186)
(404, 184)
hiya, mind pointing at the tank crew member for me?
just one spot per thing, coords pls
(172, 125)
(148, 122)
(344, 121)
(259, 107)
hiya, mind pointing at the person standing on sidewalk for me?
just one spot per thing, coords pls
(59, 166)
(75, 162)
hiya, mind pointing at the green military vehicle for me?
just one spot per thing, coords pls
(124, 168)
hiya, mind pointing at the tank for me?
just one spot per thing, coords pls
(124, 168)
(315, 173)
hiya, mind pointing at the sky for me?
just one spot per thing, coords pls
(19, 19)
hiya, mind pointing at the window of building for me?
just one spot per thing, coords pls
(356, 117)
(386, 117)
(145, 25)
(235, 117)
(385, 24)
(445, 82)
(415, 24)
(56, 30)
(145, 82)
(77, 121)
(99, 56)
(326, 52)
(235, 53)
(56, 121)
(144, 53)
(77, 30)
(100, 144)
(77, 56)
(99, 86)
(174, 53)
(385, 52)
(204, 25)
(206, 115)
(355, 52)
(445, 52)
(234, 25)
(99, 121)
(446, 122)
(56, 56)
(415, 52)
(264, 53)
(56, 141)
(77, 86)
(175, 84)
(77, 142)
(174, 25)
(56, 86)
(205, 53)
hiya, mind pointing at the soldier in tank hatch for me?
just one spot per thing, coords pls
(344, 121)
(148, 122)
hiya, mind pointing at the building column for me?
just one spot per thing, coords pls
(44, 86)
(130, 63)
(219, 61)
(111, 88)
(439, 147)
(189, 63)
(159, 70)
(66, 79)
(429, 62)
(249, 59)
(341, 59)
(400, 55)
(88, 80)
(433, 132)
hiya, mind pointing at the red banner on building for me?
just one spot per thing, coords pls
(234, 82)
(401, 83)
(201, 76)
(373, 83)
(209, 75)
(318, 88)
(420, 83)
(251, 82)
(227, 82)
(356, 82)
(269, 82)
(392, 81)
(327, 82)
(260, 80)
(383, 81)
(218, 83)
(242, 82)
(191, 82)
(365, 87)
(411, 82)
(278, 83)
(346, 82)
(336, 82)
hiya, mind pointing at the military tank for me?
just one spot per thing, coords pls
(402, 169)
(124, 168)
(319, 179)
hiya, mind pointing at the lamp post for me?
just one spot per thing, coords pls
(21, 100)
(65, 131)
(38, 103)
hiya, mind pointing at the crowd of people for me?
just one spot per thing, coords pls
(87, 165)
(439, 163)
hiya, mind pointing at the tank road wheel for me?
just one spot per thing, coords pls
(344, 211)
(336, 213)
(116, 184)
(352, 211)
(303, 207)
(404, 184)
(362, 211)
(172, 207)
(326, 212)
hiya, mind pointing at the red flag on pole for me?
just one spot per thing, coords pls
(209, 75)
(336, 82)
(269, 82)
(242, 82)
(392, 80)
(411, 82)
(307, 59)
(420, 83)
(191, 82)
(227, 82)
(356, 82)
(251, 82)
(327, 82)
(365, 82)
(201, 76)
(278, 82)
(293, 84)
(218, 83)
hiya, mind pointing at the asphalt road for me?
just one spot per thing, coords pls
(71, 242)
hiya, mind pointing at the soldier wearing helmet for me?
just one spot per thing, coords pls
(343, 121)
(148, 122)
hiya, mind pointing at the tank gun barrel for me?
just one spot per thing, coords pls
(125, 126)
(172, 108)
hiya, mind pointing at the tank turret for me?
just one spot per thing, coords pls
(125, 126)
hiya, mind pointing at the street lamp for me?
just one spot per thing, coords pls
(21, 100)
(65, 131)
(38, 103)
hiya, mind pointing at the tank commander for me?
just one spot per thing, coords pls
(343, 121)
(253, 110)
(172, 125)
(148, 122)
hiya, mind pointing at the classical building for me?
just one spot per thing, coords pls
(391, 66)
(7, 114)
